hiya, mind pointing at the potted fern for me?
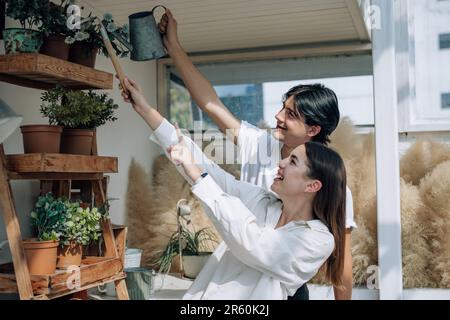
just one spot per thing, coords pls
(80, 227)
(196, 248)
(80, 113)
(26, 39)
(41, 252)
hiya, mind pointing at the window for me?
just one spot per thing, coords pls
(445, 98)
(253, 90)
(444, 41)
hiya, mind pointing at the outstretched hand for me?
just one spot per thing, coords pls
(133, 94)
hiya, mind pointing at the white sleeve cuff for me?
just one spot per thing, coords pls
(206, 188)
(165, 135)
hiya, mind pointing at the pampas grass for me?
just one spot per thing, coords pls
(421, 158)
(416, 250)
(435, 192)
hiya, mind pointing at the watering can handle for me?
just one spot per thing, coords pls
(157, 7)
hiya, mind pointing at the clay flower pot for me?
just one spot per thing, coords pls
(55, 46)
(41, 138)
(77, 141)
(69, 255)
(83, 54)
(40, 255)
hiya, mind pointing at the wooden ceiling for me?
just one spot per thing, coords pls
(217, 25)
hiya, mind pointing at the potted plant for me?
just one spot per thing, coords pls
(41, 252)
(87, 41)
(80, 113)
(55, 30)
(81, 226)
(29, 14)
(193, 254)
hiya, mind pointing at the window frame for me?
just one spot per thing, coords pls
(331, 49)
(408, 117)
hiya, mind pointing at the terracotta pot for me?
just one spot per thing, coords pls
(84, 54)
(54, 45)
(69, 255)
(41, 138)
(41, 256)
(77, 141)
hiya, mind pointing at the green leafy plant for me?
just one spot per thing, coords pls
(28, 12)
(90, 34)
(77, 109)
(48, 217)
(54, 18)
(81, 225)
(192, 242)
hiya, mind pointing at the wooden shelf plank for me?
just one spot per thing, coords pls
(59, 163)
(40, 71)
(93, 271)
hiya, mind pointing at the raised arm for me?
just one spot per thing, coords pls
(165, 134)
(201, 90)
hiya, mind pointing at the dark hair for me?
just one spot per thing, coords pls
(318, 105)
(327, 166)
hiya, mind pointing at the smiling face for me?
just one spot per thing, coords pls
(292, 179)
(291, 127)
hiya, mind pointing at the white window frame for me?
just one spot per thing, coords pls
(341, 48)
(409, 120)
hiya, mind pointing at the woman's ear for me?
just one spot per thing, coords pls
(313, 131)
(313, 186)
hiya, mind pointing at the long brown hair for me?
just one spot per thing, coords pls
(327, 166)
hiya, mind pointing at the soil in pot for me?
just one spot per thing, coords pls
(83, 54)
(55, 46)
(69, 255)
(41, 138)
(19, 40)
(41, 256)
(77, 141)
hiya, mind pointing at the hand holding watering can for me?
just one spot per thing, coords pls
(145, 40)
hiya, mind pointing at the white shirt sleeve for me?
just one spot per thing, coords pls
(291, 257)
(165, 135)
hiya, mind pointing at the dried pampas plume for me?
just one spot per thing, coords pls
(435, 191)
(421, 158)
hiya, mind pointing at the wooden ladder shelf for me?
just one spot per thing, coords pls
(94, 270)
(57, 172)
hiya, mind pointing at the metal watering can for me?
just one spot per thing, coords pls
(145, 39)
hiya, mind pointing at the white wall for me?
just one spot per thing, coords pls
(126, 138)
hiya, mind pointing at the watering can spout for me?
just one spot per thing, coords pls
(145, 38)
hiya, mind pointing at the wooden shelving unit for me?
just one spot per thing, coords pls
(39, 71)
(57, 172)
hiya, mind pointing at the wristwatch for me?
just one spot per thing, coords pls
(204, 174)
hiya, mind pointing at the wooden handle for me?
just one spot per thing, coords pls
(113, 57)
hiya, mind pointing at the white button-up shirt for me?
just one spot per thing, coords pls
(255, 260)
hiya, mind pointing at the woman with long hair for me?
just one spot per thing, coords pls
(271, 245)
